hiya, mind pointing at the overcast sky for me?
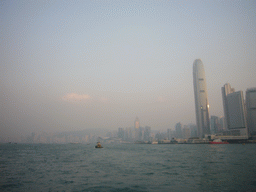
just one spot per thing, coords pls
(74, 65)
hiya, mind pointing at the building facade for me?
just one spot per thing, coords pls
(193, 130)
(214, 124)
(186, 132)
(147, 133)
(137, 123)
(225, 90)
(251, 110)
(178, 130)
(236, 113)
(201, 99)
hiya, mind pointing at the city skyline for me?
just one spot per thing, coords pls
(89, 64)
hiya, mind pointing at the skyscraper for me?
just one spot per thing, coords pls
(137, 123)
(236, 113)
(169, 134)
(214, 124)
(136, 128)
(225, 90)
(147, 133)
(185, 132)
(120, 133)
(178, 130)
(251, 110)
(201, 99)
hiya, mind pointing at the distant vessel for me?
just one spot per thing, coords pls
(218, 141)
(98, 145)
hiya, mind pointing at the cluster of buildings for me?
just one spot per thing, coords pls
(182, 131)
(137, 133)
(239, 121)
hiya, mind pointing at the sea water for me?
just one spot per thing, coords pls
(127, 167)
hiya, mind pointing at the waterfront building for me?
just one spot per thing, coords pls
(222, 123)
(136, 128)
(141, 133)
(128, 134)
(120, 133)
(214, 124)
(225, 90)
(169, 134)
(186, 132)
(137, 123)
(160, 136)
(147, 133)
(236, 113)
(193, 130)
(178, 130)
(201, 99)
(251, 110)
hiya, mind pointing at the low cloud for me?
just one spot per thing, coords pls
(73, 97)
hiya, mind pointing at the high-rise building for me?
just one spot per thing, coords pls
(201, 99)
(137, 123)
(169, 134)
(251, 110)
(141, 133)
(120, 133)
(222, 123)
(236, 113)
(193, 130)
(186, 132)
(225, 90)
(178, 130)
(147, 133)
(128, 134)
(214, 124)
(136, 129)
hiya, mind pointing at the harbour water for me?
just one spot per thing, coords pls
(127, 167)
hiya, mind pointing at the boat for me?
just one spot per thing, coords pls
(218, 141)
(98, 145)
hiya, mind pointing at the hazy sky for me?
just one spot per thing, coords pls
(73, 65)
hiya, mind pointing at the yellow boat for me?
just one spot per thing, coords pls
(98, 145)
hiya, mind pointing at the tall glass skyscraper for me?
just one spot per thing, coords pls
(251, 110)
(225, 90)
(234, 111)
(201, 99)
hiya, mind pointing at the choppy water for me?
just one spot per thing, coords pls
(127, 167)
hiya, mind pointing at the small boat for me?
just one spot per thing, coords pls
(98, 145)
(218, 141)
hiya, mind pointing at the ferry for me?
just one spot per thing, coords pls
(218, 141)
(98, 145)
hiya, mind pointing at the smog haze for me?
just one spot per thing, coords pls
(76, 65)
